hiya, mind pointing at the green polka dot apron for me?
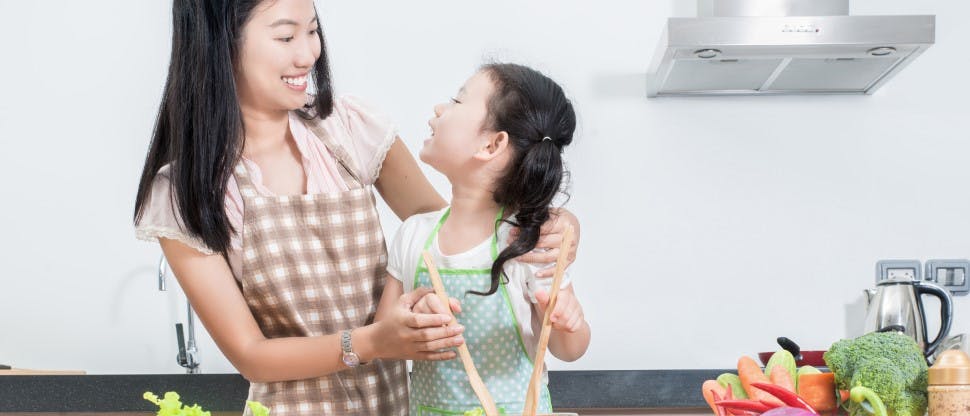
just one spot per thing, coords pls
(493, 336)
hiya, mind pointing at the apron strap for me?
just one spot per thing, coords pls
(498, 222)
(243, 181)
(434, 232)
(349, 175)
(247, 188)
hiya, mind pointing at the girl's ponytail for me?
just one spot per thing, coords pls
(539, 120)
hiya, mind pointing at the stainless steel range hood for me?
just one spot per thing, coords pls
(754, 47)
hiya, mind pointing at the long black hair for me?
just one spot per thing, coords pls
(199, 128)
(539, 120)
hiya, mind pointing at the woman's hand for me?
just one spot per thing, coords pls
(431, 303)
(550, 237)
(567, 316)
(401, 333)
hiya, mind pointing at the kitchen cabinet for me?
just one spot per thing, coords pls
(601, 393)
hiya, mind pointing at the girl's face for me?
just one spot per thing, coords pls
(280, 44)
(457, 129)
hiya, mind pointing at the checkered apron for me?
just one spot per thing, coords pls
(315, 265)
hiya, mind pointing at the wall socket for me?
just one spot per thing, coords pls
(898, 269)
(950, 274)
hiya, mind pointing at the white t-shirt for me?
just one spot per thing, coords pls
(405, 251)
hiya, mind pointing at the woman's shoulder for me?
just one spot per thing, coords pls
(162, 181)
(366, 133)
(160, 217)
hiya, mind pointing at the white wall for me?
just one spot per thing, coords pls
(710, 225)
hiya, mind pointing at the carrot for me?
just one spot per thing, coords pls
(818, 390)
(749, 372)
(709, 388)
(781, 377)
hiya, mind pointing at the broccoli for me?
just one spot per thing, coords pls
(889, 363)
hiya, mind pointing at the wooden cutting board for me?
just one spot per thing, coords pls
(28, 372)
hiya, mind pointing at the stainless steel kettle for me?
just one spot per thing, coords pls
(897, 303)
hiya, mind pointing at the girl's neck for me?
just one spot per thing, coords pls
(265, 130)
(471, 219)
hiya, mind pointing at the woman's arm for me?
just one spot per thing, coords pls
(403, 186)
(550, 238)
(209, 285)
(407, 191)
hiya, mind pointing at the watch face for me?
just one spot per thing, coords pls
(351, 360)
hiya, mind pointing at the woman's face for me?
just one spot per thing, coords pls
(457, 129)
(280, 44)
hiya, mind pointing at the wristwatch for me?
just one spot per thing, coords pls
(349, 357)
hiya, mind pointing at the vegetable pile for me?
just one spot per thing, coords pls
(885, 372)
(172, 405)
(781, 389)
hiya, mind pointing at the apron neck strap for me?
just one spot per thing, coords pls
(243, 181)
(347, 174)
(498, 221)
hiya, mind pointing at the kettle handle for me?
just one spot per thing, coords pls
(946, 312)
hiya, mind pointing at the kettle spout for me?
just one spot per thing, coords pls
(870, 293)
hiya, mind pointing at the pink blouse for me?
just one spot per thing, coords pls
(365, 133)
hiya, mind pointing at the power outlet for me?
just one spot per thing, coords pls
(954, 275)
(898, 269)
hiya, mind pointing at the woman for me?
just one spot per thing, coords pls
(260, 197)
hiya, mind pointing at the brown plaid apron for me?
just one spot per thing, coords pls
(315, 265)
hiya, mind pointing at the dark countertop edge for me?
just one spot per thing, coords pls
(606, 389)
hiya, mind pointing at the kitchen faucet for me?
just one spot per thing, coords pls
(188, 353)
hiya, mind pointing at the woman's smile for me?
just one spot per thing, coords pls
(297, 83)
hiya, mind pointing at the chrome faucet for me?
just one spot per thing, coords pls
(188, 352)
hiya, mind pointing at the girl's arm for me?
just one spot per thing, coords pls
(403, 186)
(209, 285)
(570, 331)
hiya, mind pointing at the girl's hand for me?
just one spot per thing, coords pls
(403, 334)
(431, 303)
(568, 314)
(550, 237)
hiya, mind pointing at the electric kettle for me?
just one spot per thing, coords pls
(897, 303)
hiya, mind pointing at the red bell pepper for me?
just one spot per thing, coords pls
(786, 396)
(745, 405)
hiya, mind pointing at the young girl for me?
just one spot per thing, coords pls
(499, 142)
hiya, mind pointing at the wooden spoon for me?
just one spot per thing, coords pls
(488, 404)
(532, 394)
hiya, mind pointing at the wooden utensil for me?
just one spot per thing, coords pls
(29, 372)
(488, 404)
(532, 394)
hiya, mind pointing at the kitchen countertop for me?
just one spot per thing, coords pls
(677, 390)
